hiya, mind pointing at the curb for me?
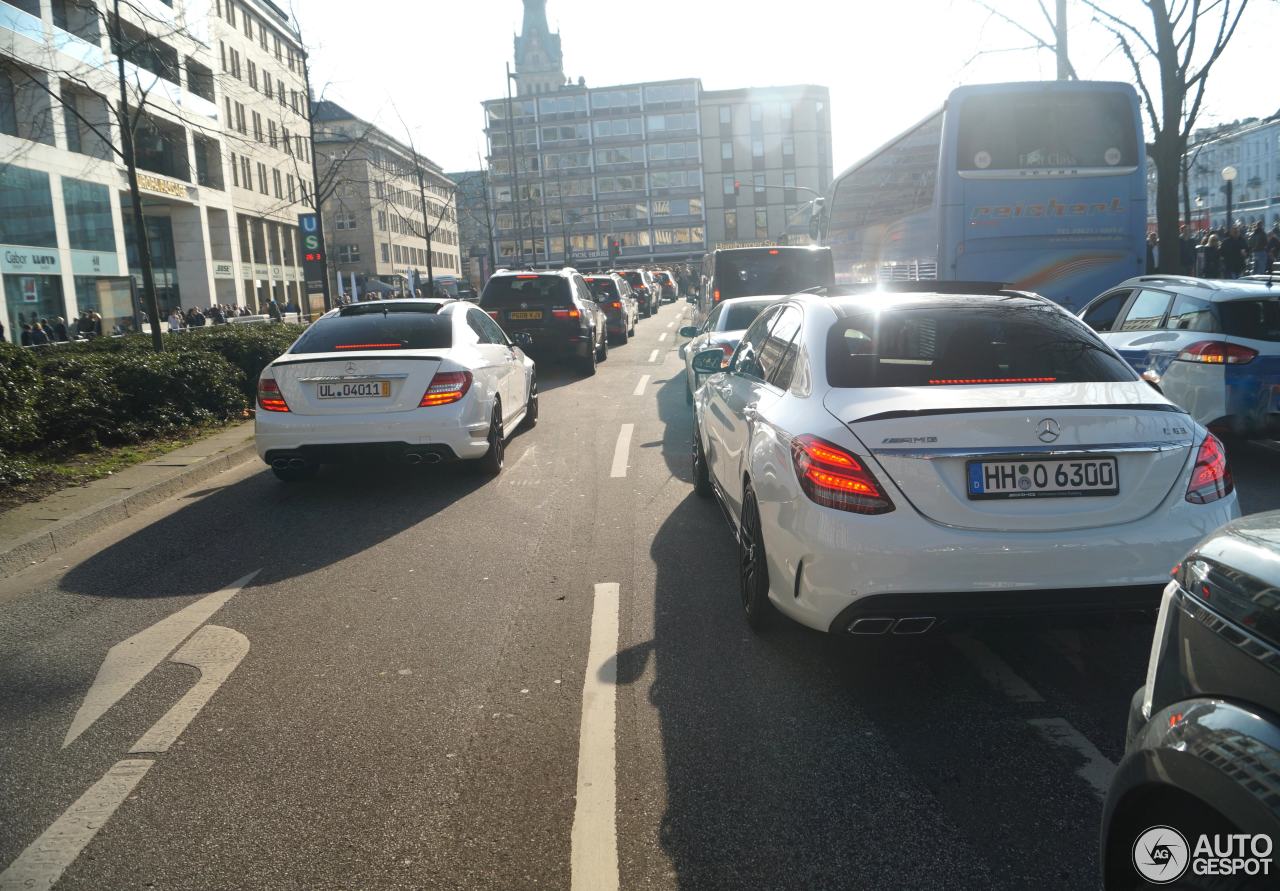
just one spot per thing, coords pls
(39, 546)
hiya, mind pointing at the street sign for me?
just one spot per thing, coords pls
(312, 250)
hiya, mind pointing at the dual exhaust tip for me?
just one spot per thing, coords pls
(415, 458)
(282, 463)
(906, 625)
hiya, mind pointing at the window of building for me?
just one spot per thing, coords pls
(397, 253)
(248, 24)
(386, 252)
(348, 253)
(253, 75)
(235, 170)
(271, 133)
(758, 183)
(382, 220)
(276, 41)
(230, 11)
(89, 223)
(757, 113)
(235, 63)
(26, 208)
(277, 182)
(246, 173)
(240, 119)
(726, 151)
(757, 148)
(726, 115)
(344, 219)
(762, 223)
(731, 224)
(788, 147)
(728, 185)
(257, 127)
(289, 182)
(262, 178)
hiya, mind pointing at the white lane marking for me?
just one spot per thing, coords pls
(662, 337)
(216, 651)
(593, 844)
(1097, 768)
(644, 382)
(620, 451)
(995, 670)
(671, 324)
(131, 660)
(46, 858)
(653, 357)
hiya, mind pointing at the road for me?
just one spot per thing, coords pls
(540, 681)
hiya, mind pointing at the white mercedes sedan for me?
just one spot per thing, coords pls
(889, 462)
(723, 328)
(412, 381)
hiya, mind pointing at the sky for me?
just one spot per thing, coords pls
(888, 63)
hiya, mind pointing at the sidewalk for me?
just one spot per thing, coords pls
(33, 532)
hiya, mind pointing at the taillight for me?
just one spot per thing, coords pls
(1217, 352)
(493, 314)
(616, 305)
(1210, 477)
(565, 314)
(715, 295)
(834, 478)
(269, 396)
(446, 387)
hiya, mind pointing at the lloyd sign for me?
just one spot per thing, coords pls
(15, 258)
(312, 250)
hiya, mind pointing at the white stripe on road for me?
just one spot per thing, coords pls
(995, 670)
(131, 660)
(662, 337)
(653, 357)
(671, 324)
(46, 858)
(644, 382)
(1097, 768)
(593, 846)
(620, 451)
(215, 651)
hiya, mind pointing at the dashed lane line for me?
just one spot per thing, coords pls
(1096, 770)
(995, 670)
(593, 846)
(641, 384)
(653, 357)
(671, 324)
(662, 337)
(621, 450)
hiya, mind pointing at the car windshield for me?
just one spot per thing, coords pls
(635, 278)
(372, 330)
(950, 344)
(536, 290)
(746, 273)
(1252, 319)
(738, 316)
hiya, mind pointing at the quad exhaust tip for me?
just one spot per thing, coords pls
(883, 625)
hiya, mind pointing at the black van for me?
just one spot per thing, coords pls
(760, 272)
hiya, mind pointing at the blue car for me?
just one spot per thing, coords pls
(1212, 347)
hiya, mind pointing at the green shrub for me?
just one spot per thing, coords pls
(19, 392)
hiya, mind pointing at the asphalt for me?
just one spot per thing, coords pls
(408, 712)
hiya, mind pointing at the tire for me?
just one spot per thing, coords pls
(494, 459)
(589, 362)
(603, 353)
(623, 337)
(296, 474)
(701, 476)
(632, 332)
(753, 567)
(531, 407)
(688, 392)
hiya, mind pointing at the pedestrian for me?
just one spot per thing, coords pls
(175, 320)
(25, 338)
(1212, 257)
(1233, 253)
(273, 310)
(95, 322)
(1153, 253)
(219, 317)
(39, 337)
(59, 330)
(1258, 249)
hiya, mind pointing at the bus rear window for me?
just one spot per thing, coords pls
(503, 291)
(951, 345)
(1030, 131)
(751, 273)
(1252, 319)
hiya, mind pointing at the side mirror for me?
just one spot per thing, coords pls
(689, 331)
(708, 361)
(1153, 379)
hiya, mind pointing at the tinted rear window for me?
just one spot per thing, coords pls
(1254, 319)
(377, 331)
(741, 315)
(915, 347)
(635, 278)
(602, 287)
(537, 290)
(771, 271)
(1028, 131)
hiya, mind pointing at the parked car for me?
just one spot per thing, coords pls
(1213, 347)
(1202, 752)
(555, 313)
(722, 329)
(667, 283)
(646, 288)
(892, 461)
(614, 296)
(416, 381)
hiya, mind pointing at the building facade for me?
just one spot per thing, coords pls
(539, 60)
(374, 221)
(475, 226)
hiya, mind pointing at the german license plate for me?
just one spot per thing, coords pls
(1055, 478)
(354, 390)
(524, 315)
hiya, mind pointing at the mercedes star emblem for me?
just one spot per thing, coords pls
(1048, 430)
(351, 368)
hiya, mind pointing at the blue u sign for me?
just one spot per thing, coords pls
(307, 222)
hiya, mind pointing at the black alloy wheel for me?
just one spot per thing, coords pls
(589, 361)
(753, 570)
(494, 459)
(604, 344)
(701, 475)
(531, 407)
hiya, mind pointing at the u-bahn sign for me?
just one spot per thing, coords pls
(311, 250)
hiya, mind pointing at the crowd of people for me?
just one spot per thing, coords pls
(41, 331)
(1222, 252)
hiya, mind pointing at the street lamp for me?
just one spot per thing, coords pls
(1229, 175)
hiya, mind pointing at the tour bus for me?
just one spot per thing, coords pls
(1038, 185)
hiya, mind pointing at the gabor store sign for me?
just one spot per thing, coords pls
(14, 258)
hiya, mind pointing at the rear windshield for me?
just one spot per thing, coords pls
(1027, 131)
(938, 346)
(636, 279)
(535, 290)
(602, 287)
(1253, 319)
(377, 331)
(741, 315)
(747, 273)
(662, 277)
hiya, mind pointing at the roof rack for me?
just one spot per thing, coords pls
(1188, 280)
(1267, 278)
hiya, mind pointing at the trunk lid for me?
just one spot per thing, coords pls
(403, 377)
(924, 438)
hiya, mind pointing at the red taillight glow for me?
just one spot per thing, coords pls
(526, 278)
(493, 314)
(1210, 477)
(565, 314)
(834, 478)
(715, 295)
(269, 396)
(993, 380)
(1216, 352)
(773, 252)
(368, 346)
(446, 387)
(616, 305)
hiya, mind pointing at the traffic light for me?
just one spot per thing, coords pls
(615, 249)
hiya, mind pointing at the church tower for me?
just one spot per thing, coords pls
(539, 62)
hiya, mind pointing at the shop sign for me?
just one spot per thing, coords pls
(259, 271)
(15, 258)
(277, 273)
(163, 186)
(223, 269)
(95, 263)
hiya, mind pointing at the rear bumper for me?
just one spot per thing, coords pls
(455, 431)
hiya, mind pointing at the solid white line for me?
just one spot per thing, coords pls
(46, 858)
(593, 845)
(653, 357)
(620, 451)
(995, 670)
(662, 337)
(1097, 768)
(644, 382)
(131, 660)
(216, 651)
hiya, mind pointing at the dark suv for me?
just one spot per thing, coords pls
(1202, 753)
(647, 290)
(614, 296)
(551, 313)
